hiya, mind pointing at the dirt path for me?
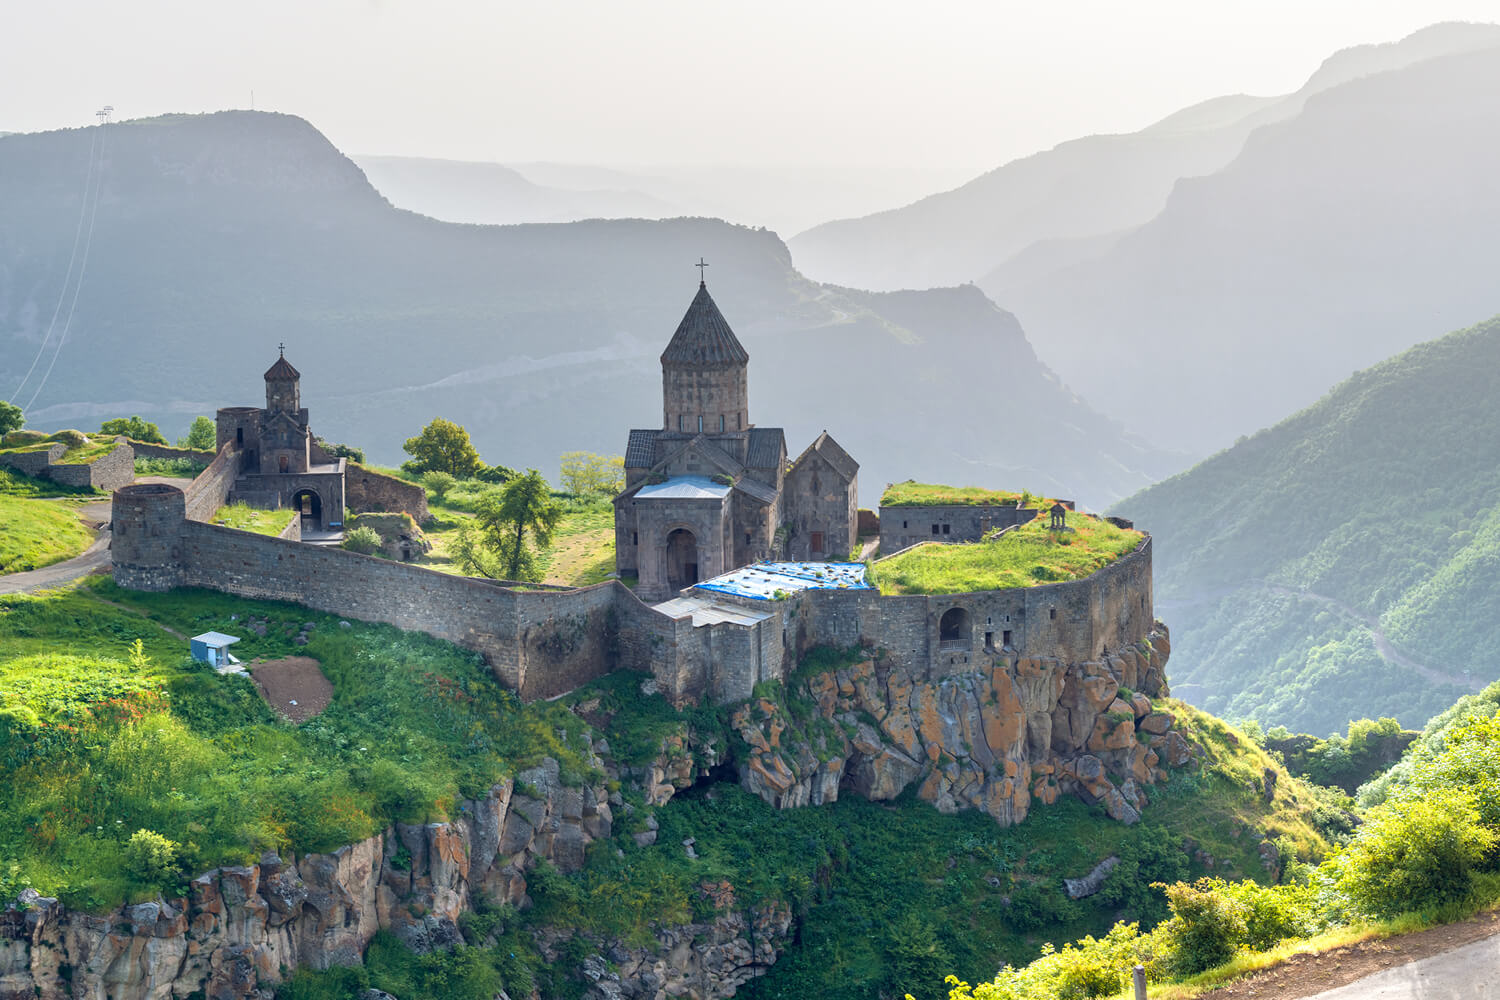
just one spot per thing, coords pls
(1452, 961)
(1383, 645)
(93, 560)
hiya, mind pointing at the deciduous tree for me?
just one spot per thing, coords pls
(584, 472)
(11, 418)
(443, 446)
(134, 428)
(202, 435)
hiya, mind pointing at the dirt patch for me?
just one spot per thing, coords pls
(295, 686)
(1306, 975)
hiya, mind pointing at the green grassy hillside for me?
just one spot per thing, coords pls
(1345, 563)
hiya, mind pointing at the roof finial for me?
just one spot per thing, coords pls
(282, 348)
(700, 266)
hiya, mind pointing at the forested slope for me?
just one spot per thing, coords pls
(1372, 516)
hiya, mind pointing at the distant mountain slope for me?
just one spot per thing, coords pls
(489, 193)
(1334, 239)
(218, 236)
(1373, 516)
(1083, 188)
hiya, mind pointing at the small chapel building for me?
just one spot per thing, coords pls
(281, 463)
(709, 491)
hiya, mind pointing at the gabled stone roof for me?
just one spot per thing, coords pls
(703, 338)
(282, 369)
(833, 454)
(640, 452)
(765, 448)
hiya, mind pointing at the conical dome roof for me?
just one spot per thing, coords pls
(703, 338)
(282, 369)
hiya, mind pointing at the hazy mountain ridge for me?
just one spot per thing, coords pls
(1373, 514)
(219, 236)
(1082, 188)
(1331, 241)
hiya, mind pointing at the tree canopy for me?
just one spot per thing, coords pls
(584, 472)
(202, 435)
(11, 418)
(497, 543)
(134, 428)
(443, 446)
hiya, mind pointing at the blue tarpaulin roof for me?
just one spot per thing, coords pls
(762, 580)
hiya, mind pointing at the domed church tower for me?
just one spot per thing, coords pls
(703, 373)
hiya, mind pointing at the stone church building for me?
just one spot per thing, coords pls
(710, 491)
(281, 464)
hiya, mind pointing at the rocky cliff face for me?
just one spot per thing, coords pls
(998, 739)
(1033, 728)
(241, 930)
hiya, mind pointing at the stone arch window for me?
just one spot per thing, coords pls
(721, 423)
(700, 423)
(282, 463)
(954, 629)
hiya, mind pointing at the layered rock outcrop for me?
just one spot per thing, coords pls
(240, 930)
(996, 739)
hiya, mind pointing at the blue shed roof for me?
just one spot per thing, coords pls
(216, 639)
(762, 580)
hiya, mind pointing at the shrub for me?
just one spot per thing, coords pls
(1415, 853)
(438, 483)
(150, 856)
(1206, 928)
(363, 539)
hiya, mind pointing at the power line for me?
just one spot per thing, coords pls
(82, 267)
(83, 209)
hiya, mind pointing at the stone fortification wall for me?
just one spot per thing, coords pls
(108, 472)
(34, 463)
(901, 527)
(211, 489)
(540, 643)
(147, 450)
(368, 490)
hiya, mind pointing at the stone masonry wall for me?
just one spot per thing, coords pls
(33, 463)
(147, 450)
(901, 527)
(109, 472)
(211, 489)
(367, 490)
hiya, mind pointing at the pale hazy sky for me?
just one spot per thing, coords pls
(769, 82)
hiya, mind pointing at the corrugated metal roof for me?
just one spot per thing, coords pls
(216, 639)
(709, 612)
(640, 452)
(766, 447)
(704, 338)
(684, 488)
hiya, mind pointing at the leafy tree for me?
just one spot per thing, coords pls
(525, 505)
(1416, 852)
(1206, 928)
(438, 483)
(916, 957)
(348, 451)
(134, 428)
(202, 435)
(11, 418)
(443, 446)
(584, 472)
(496, 474)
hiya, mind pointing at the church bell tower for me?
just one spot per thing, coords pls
(703, 373)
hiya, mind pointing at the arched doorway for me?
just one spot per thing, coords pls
(310, 508)
(954, 630)
(682, 559)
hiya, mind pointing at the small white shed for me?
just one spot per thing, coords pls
(213, 648)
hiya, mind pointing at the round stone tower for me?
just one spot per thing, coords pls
(146, 536)
(703, 373)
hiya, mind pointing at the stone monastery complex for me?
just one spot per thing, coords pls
(995, 696)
